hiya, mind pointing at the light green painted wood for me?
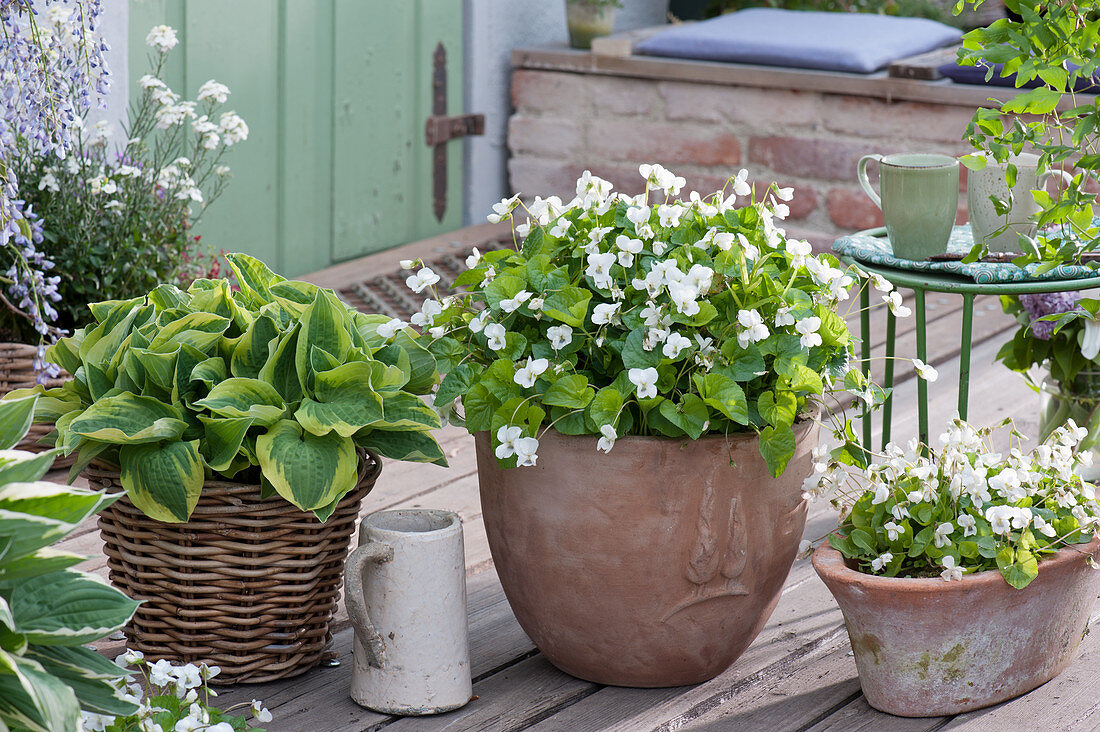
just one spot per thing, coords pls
(335, 94)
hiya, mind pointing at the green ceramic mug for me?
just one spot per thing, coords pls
(919, 200)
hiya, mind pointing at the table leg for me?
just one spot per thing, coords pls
(888, 378)
(964, 354)
(865, 354)
(922, 354)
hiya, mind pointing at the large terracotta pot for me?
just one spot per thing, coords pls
(928, 648)
(654, 565)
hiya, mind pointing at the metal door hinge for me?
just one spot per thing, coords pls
(439, 129)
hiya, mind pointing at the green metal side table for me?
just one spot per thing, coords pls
(921, 283)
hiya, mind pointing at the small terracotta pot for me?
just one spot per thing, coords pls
(928, 647)
(654, 565)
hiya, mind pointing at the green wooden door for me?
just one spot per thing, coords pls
(335, 94)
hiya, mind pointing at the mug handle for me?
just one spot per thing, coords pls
(861, 174)
(370, 553)
(1048, 174)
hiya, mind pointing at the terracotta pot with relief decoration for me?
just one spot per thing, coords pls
(654, 565)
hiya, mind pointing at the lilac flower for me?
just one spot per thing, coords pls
(1047, 303)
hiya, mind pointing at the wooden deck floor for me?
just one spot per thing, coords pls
(798, 675)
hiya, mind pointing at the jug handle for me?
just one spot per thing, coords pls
(376, 553)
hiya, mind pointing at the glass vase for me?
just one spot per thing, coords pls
(1079, 401)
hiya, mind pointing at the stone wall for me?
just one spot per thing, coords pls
(566, 122)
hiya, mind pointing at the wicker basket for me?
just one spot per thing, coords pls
(246, 584)
(17, 372)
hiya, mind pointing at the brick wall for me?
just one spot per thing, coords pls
(566, 122)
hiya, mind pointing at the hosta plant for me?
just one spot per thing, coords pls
(618, 315)
(278, 382)
(49, 611)
(964, 508)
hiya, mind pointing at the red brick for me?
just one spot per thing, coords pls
(764, 107)
(537, 177)
(899, 121)
(551, 137)
(548, 90)
(802, 205)
(622, 96)
(667, 144)
(852, 210)
(824, 159)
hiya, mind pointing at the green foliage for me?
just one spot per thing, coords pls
(965, 509)
(278, 381)
(645, 315)
(1054, 43)
(48, 610)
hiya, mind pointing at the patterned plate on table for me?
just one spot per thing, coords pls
(876, 250)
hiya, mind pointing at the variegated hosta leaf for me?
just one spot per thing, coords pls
(417, 447)
(253, 276)
(324, 325)
(343, 402)
(403, 411)
(68, 608)
(281, 370)
(242, 397)
(311, 471)
(21, 466)
(66, 504)
(37, 563)
(32, 699)
(200, 330)
(126, 419)
(253, 349)
(88, 674)
(15, 419)
(164, 480)
(223, 440)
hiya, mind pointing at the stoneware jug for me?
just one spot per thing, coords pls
(919, 196)
(405, 590)
(1002, 233)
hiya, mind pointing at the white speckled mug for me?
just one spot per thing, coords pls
(405, 590)
(1002, 233)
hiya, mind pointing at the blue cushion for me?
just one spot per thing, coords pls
(855, 42)
(976, 75)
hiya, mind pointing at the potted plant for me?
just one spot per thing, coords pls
(110, 222)
(965, 575)
(651, 365)
(588, 19)
(1059, 334)
(55, 71)
(245, 427)
(49, 611)
(1052, 120)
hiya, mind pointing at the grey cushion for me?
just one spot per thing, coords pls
(856, 42)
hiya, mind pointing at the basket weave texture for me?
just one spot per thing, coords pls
(17, 372)
(247, 584)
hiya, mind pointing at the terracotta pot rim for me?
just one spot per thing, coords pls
(830, 565)
(804, 422)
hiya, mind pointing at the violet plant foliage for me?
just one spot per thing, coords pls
(52, 70)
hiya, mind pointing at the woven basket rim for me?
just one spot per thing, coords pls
(370, 467)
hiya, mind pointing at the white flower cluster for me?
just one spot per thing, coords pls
(985, 492)
(671, 280)
(187, 682)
